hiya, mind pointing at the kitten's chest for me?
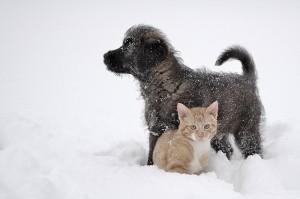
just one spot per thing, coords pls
(200, 156)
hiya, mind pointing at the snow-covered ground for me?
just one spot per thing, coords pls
(69, 129)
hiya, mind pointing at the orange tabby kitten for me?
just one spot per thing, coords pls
(186, 150)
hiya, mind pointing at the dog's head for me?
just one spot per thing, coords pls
(144, 47)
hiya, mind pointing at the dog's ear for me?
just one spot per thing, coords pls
(155, 50)
(158, 47)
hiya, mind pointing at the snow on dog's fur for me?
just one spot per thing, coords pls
(165, 80)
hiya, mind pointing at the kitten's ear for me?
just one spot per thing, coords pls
(213, 109)
(183, 111)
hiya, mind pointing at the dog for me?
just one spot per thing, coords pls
(165, 81)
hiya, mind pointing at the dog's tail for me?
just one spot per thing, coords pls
(241, 54)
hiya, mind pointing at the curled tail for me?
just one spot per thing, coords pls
(241, 54)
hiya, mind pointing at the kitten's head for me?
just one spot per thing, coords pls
(198, 124)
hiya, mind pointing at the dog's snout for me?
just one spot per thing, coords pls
(106, 55)
(113, 53)
(108, 58)
(114, 60)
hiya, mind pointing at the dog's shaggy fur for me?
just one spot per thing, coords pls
(165, 80)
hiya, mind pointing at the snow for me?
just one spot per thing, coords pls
(71, 129)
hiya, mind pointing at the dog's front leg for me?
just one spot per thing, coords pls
(155, 132)
(220, 143)
(153, 137)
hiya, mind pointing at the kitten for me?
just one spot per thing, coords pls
(186, 149)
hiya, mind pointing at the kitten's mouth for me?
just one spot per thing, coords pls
(200, 136)
(197, 138)
(203, 138)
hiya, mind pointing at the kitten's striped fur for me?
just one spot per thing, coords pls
(186, 150)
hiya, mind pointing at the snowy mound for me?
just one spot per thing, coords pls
(43, 159)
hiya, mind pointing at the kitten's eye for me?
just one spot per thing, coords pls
(193, 127)
(206, 126)
(128, 41)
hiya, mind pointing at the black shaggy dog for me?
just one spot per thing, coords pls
(165, 80)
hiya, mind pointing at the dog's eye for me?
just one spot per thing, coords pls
(128, 41)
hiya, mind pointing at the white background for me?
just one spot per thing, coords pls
(71, 129)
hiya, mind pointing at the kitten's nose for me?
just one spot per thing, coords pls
(201, 134)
